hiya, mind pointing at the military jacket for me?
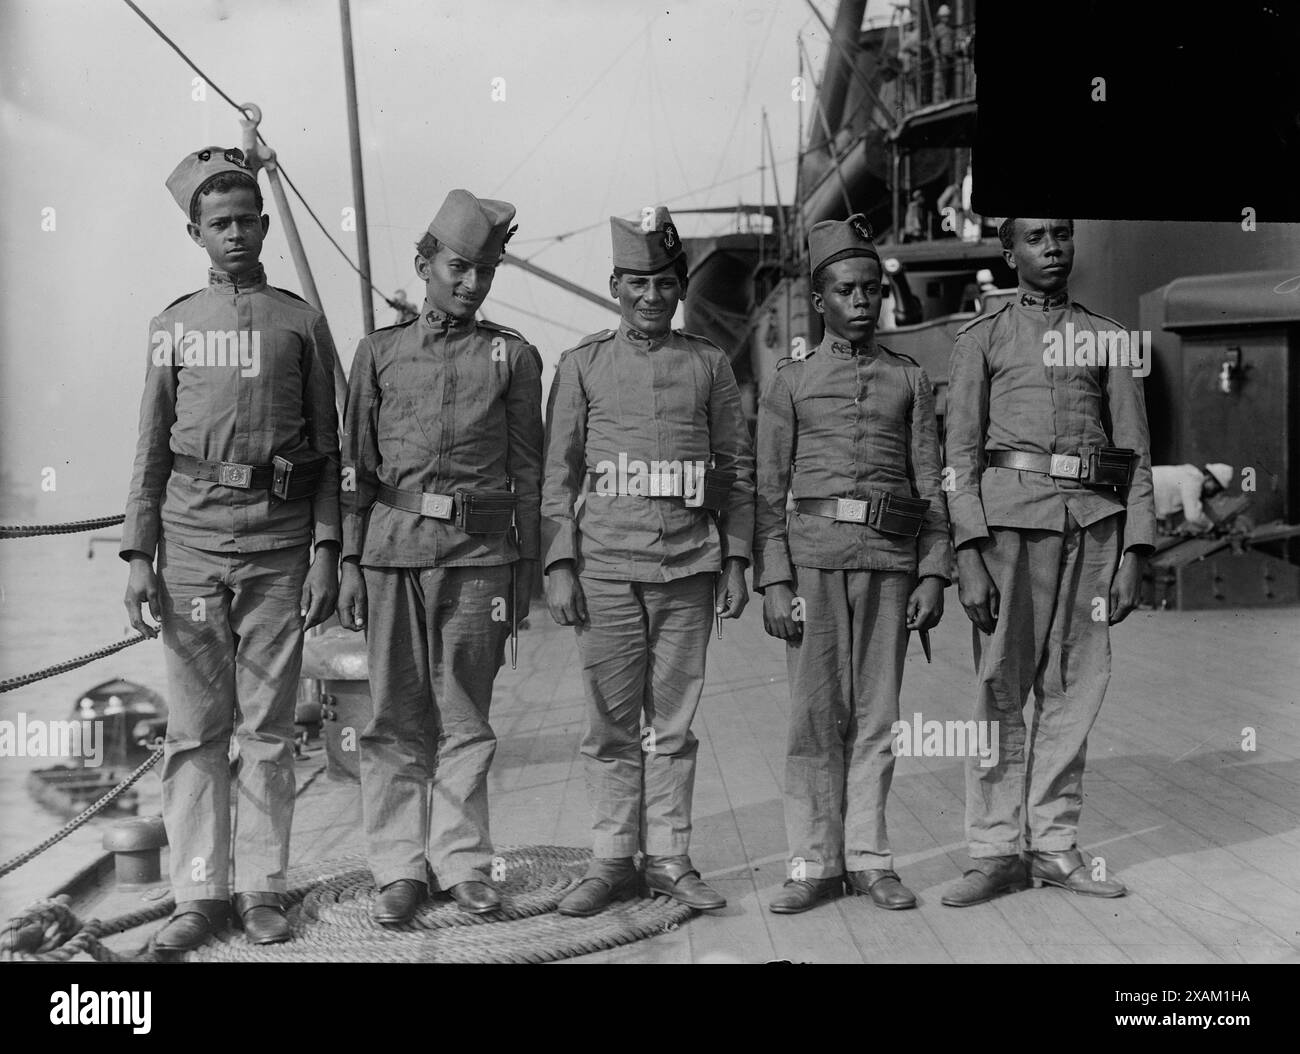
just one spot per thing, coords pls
(840, 424)
(620, 398)
(1017, 384)
(238, 372)
(437, 405)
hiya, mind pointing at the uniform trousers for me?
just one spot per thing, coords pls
(232, 636)
(1052, 637)
(435, 641)
(845, 675)
(643, 650)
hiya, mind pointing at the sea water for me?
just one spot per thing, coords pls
(56, 604)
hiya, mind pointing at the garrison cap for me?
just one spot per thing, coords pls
(840, 239)
(645, 246)
(475, 228)
(198, 169)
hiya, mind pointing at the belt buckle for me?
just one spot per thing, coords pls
(851, 510)
(1065, 466)
(233, 475)
(436, 506)
(667, 485)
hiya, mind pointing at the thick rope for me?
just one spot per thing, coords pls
(85, 815)
(48, 931)
(35, 530)
(11, 683)
(329, 905)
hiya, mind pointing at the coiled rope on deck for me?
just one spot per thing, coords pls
(36, 530)
(329, 910)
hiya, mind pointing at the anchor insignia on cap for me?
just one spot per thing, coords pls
(670, 235)
(861, 226)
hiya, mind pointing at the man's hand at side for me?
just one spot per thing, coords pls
(352, 597)
(1124, 587)
(320, 592)
(925, 605)
(142, 589)
(564, 596)
(975, 589)
(732, 593)
(778, 612)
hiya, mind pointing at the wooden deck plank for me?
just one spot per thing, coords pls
(933, 805)
(1169, 872)
(1207, 837)
(892, 936)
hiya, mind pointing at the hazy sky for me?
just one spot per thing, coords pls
(609, 105)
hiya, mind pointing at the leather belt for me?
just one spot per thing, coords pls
(434, 506)
(228, 473)
(846, 510)
(1058, 466)
(658, 486)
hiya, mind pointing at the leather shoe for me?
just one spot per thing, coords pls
(990, 877)
(605, 881)
(478, 898)
(884, 888)
(262, 916)
(673, 876)
(800, 894)
(192, 923)
(1068, 870)
(398, 901)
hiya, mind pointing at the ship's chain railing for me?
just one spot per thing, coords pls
(9, 684)
(85, 815)
(49, 930)
(36, 530)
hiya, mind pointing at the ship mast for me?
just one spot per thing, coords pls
(358, 180)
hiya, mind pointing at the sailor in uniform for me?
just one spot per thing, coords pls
(849, 429)
(644, 424)
(236, 478)
(1052, 515)
(442, 449)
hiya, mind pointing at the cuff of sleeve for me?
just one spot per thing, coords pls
(962, 535)
(935, 557)
(737, 542)
(966, 514)
(328, 532)
(354, 540)
(144, 542)
(560, 542)
(1139, 535)
(771, 565)
(934, 569)
(966, 528)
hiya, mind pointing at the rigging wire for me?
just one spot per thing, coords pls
(541, 318)
(565, 116)
(749, 80)
(284, 174)
(555, 238)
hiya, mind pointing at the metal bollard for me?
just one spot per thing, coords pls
(136, 845)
